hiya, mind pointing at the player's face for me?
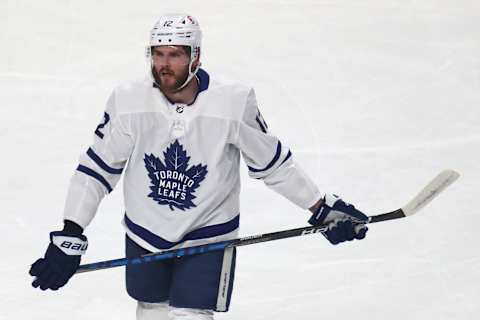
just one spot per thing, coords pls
(170, 64)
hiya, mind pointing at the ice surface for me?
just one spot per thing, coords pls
(374, 98)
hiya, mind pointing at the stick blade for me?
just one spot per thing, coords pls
(431, 190)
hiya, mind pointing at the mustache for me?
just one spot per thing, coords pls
(165, 71)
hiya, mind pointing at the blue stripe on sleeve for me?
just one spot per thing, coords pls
(201, 233)
(102, 163)
(95, 175)
(274, 160)
(262, 127)
(286, 158)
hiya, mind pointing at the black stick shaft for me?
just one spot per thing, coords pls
(244, 241)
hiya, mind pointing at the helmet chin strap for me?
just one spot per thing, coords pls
(191, 74)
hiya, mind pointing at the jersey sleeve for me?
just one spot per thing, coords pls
(270, 160)
(100, 167)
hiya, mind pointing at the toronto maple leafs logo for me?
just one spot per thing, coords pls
(173, 183)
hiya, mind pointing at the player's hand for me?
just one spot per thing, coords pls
(61, 260)
(344, 221)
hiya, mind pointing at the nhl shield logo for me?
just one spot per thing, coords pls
(172, 181)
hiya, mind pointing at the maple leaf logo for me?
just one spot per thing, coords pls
(173, 183)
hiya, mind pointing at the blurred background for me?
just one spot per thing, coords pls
(373, 97)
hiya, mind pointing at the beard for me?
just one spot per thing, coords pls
(168, 80)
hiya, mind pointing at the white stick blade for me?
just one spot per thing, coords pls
(431, 190)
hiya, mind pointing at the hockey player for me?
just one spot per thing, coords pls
(177, 137)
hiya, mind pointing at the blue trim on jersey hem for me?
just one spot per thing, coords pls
(102, 164)
(201, 233)
(274, 160)
(95, 175)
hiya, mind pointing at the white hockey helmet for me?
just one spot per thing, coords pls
(177, 30)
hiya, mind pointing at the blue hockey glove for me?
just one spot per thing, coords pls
(345, 223)
(61, 259)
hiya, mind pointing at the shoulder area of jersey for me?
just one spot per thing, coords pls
(217, 86)
(215, 82)
(227, 82)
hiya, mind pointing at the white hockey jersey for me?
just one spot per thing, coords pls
(181, 163)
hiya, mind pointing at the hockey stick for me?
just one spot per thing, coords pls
(427, 194)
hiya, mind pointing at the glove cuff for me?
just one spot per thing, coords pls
(70, 245)
(322, 212)
(72, 228)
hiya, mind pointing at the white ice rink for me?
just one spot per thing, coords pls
(374, 98)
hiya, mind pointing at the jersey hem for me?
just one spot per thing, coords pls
(153, 242)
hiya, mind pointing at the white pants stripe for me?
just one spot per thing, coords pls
(224, 285)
